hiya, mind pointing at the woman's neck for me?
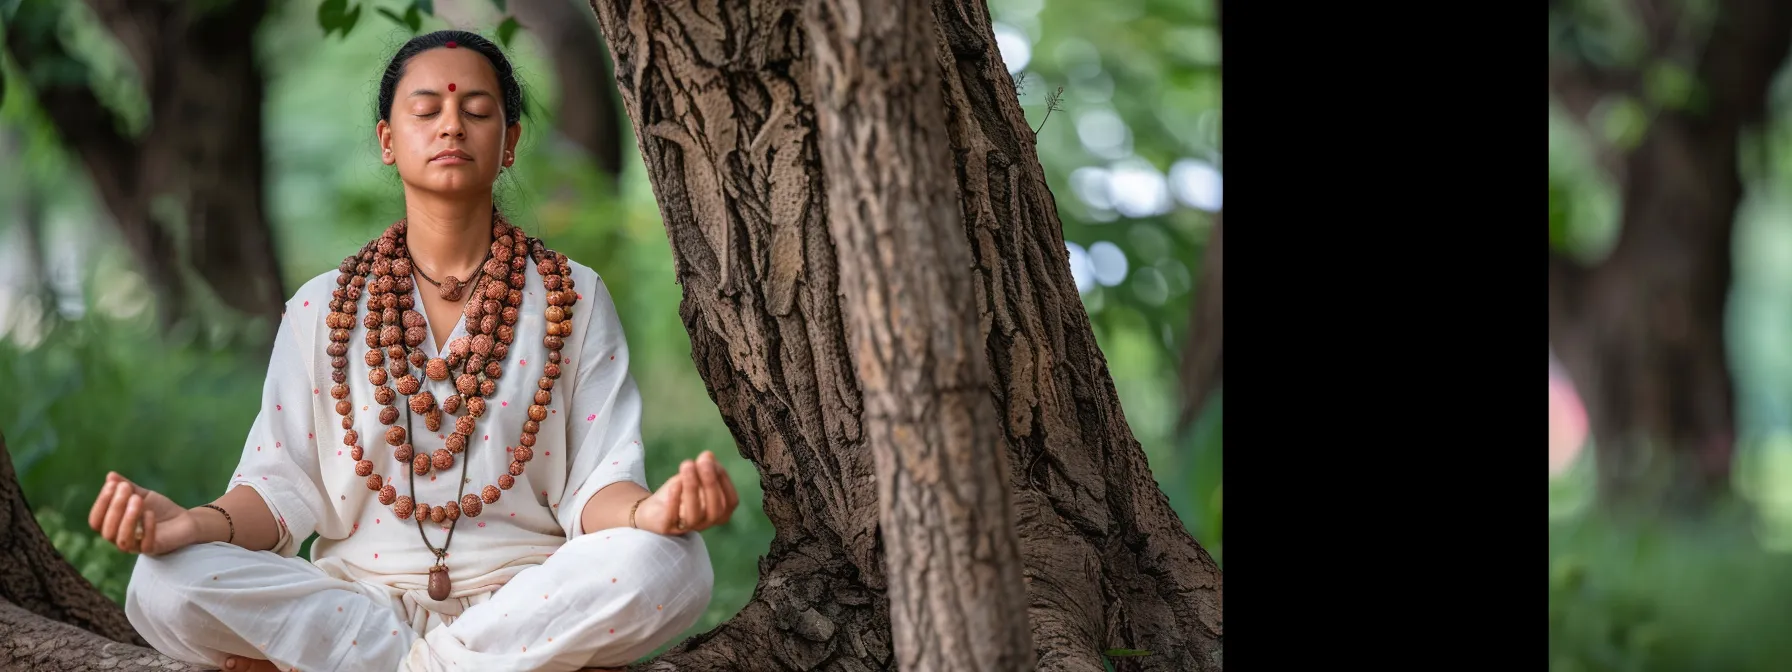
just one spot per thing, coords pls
(448, 238)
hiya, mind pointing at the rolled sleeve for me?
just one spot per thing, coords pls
(279, 459)
(604, 428)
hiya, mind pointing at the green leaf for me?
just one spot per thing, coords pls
(392, 15)
(1623, 121)
(1673, 86)
(348, 22)
(500, 4)
(1116, 653)
(506, 30)
(329, 15)
(428, 6)
(413, 19)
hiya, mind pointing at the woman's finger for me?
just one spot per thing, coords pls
(692, 511)
(133, 516)
(114, 514)
(733, 498)
(712, 491)
(97, 517)
(149, 535)
(674, 490)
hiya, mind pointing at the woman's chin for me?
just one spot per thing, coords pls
(457, 186)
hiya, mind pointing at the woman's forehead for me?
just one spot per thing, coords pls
(437, 68)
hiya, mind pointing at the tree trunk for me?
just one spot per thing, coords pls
(722, 99)
(1642, 332)
(51, 618)
(953, 562)
(206, 154)
(1203, 366)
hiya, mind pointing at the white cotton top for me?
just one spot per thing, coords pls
(295, 457)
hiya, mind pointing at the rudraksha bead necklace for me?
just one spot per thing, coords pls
(395, 327)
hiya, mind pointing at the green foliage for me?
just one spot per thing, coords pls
(99, 562)
(506, 30)
(335, 16)
(1655, 595)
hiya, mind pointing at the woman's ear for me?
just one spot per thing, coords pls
(383, 133)
(511, 135)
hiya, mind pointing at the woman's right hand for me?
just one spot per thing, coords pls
(139, 520)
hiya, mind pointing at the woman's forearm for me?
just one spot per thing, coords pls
(609, 507)
(254, 522)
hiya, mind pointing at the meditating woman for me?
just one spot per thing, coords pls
(451, 412)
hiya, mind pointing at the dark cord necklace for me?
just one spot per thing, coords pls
(439, 585)
(453, 289)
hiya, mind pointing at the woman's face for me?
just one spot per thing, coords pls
(447, 130)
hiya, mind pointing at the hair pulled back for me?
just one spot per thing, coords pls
(508, 89)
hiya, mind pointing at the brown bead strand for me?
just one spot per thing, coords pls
(400, 329)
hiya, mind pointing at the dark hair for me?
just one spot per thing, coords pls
(508, 88)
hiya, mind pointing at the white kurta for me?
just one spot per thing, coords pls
(296, 459)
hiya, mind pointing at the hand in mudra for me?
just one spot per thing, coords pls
(140, 520)
(698, 497)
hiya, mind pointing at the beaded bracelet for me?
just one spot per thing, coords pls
(631, 511)
(227, 520)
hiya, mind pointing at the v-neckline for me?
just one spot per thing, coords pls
(460, 325)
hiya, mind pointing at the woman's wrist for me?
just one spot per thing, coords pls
(212, 525)
(610, 507)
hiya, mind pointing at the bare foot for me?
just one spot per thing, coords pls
(241, 664)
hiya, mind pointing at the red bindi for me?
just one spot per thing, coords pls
(452, 45)
(451, 86)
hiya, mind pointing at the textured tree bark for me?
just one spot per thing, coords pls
(1109, 563)
(1642, 332)
(723, 103)
(210, 161)
(51, 618)
(952, 558)
(719, 94)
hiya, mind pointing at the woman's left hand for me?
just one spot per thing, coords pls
(698, 497)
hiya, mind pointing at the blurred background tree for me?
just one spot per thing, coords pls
(124, 352)
(1670, 228)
